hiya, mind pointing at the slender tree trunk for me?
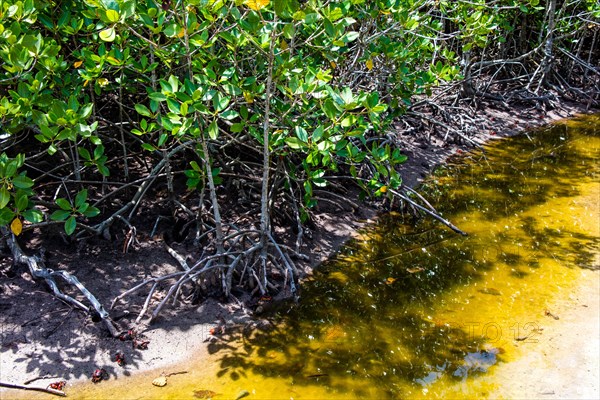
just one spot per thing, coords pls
(122, 128)
(547, 62)
(589, 59)
(211, 183)
(213, 198)
(265, 215)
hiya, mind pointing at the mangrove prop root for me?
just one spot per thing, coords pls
(38, 270)
(34, 388)
(241, 259)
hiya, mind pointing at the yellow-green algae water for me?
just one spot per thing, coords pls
(410, 309)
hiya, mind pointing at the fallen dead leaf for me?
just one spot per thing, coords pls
(160, 381)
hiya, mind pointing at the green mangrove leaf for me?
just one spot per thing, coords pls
(4, 197)
(81, 198)
(108, 34)
(64, 204)
(60, 215)
(32, 215)
(70, 225)
(22, 182)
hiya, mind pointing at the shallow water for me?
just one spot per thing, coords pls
(411, 309)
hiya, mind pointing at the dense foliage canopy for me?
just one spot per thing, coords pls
(275, 99)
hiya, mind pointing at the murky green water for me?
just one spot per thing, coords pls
(410, 309)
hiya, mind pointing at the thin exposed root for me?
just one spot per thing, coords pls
(38, 270)
(146, 303)
(254, 260)
(291, 268)
(178, 257)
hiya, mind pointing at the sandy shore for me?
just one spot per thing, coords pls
(564, 363)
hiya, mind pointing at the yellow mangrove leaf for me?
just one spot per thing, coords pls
(257, 5)
(249, 98)
(16, 226)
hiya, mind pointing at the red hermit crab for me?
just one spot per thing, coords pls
(99, 374)
(58, 385)
(120, 358)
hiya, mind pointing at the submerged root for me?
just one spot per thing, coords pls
(428, 209)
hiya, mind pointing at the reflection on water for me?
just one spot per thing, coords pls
(410, 309)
